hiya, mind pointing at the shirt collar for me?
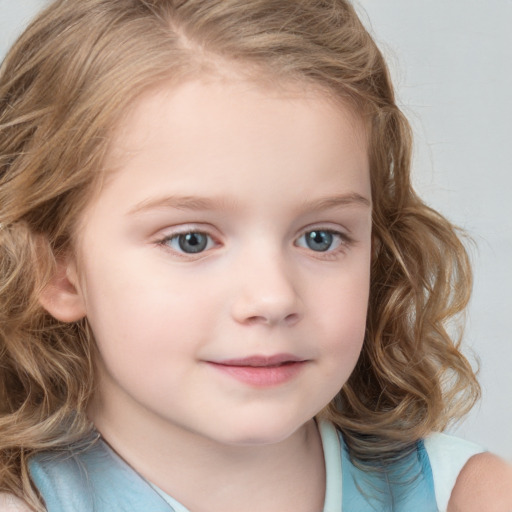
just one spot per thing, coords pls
(332, 458)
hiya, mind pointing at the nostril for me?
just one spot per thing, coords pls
(268, 320)
(257, 320)
(292, 318)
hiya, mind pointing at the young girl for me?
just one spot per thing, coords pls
(219, 291)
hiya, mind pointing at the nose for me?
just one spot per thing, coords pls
(266, 293)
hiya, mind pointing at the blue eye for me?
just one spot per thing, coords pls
(320, 240)
(190, 243)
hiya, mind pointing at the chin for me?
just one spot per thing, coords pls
(261, 433)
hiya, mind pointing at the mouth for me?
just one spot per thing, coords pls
(261, 371)
(258, 361)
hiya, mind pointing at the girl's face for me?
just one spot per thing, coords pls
(224, 266)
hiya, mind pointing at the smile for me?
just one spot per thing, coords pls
(261, 371)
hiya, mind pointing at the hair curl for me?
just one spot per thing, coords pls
(64, 87)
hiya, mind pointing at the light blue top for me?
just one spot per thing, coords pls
(96, 479)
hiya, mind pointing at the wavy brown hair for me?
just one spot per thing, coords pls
(64, 87)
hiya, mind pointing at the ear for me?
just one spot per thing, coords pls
(62, 297)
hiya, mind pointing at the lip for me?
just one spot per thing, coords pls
(261, 371)
(258, 361)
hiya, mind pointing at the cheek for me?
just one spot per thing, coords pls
(344, 313)
(143, 312)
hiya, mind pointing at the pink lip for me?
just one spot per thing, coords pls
(261, 371)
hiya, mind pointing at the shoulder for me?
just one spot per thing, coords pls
(485, 483)
(447, 456)
(10, 503)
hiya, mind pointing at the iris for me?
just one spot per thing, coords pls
(319, 241)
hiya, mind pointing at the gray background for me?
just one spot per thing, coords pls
(451, 63)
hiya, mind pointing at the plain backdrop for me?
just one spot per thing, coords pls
(452, 66)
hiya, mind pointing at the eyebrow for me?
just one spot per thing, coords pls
(194, 203)
(197, 203)
(343, 200)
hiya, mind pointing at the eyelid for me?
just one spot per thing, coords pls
(346, 241)
(344, 238)
(330, 228)
(170, 233)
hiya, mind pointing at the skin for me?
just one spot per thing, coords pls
(257, 170)
(485, 483)
(9, 503)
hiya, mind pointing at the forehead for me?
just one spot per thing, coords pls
(221, 100)
(192, 136)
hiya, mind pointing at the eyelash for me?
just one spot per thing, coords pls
(165, 242)
(343, 242)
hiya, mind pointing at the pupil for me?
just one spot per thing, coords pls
(319, 240)
(193, 242)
